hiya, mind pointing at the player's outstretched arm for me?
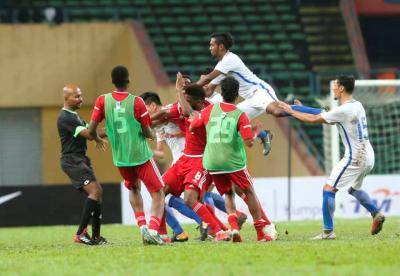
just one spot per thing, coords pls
(206, 79)
(197, 121)
(148, 133)
(304, 117)
(159, 116)
(179, 85)
(210, 89)
(92, 129)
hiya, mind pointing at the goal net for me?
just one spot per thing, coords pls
(381, 100)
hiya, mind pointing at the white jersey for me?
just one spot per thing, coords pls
(176, 144)
(232, 65)
(214, 98)
(351, 121)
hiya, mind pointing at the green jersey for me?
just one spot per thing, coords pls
(224, 149)
(129, 146)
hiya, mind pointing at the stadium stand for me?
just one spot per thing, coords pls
(280, 40)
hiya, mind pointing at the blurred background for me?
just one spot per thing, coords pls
(297, 46)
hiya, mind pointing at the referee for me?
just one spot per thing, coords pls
(75, 163)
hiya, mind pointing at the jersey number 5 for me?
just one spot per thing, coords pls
(119, 118)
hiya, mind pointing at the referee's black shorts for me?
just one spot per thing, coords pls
(78, 168)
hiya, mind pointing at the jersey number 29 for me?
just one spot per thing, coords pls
(222, 129)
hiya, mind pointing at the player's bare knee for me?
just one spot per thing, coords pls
(99, 192)
(94, 191)
(189, 199)
(329, 188)
(158, 195)
(135, 189)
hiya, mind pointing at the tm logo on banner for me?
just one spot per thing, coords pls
(383, 198)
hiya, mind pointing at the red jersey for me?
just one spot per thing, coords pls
(140, 111)
(180, 122)
(243, 126)
(195, 141)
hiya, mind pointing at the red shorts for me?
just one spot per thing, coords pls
(147, 172)
(225, 181)
(187, 174)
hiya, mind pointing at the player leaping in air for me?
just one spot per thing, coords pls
(259, 97)
(358, 159)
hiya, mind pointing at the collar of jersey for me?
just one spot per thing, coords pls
(70, 111)
(121, 92)
(349, 101)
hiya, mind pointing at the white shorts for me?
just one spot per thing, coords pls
(345, 174)
(257, 104)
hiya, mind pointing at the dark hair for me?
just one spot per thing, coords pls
(195, 91)
(347, 82)
(187, 76)
(223, 38)
(120, 76)
(151, 97)
(229, 89)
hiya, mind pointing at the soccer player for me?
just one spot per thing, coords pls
(128, 126)
(187, 175)
(225, 158)
(259, 96)
(74, 162)
(168, 135)
(358, 159)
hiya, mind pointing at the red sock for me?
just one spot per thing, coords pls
(259, 226)
(263, 215)
(163, 226)
(206, 216)
(140, 218)
(154, 223)
(211, 209)
(233, 222)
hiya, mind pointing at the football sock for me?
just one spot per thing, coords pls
(178, 204)
(206, 216)
(172, 221)
(223, 226)
(262, 134)
(96, 221)
(154, 223)
(162, 230)
(233, 222)
(259, 226)
(140, 219)
(364, 200)
(88, 209)
(219, 202)
(328, 208)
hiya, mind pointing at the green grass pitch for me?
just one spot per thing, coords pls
(50, 251)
